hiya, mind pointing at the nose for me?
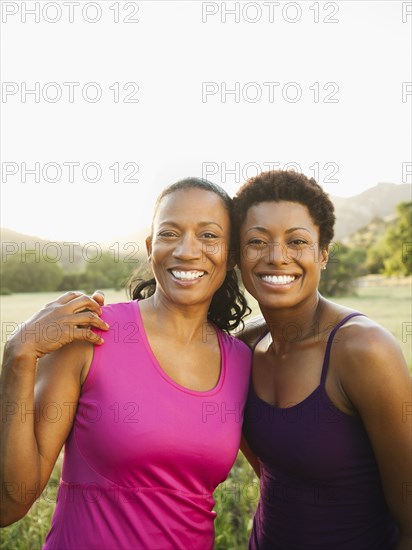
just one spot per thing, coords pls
(188, 248)
(276, 254)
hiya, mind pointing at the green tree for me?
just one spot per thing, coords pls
(374, 259)
(34, 274)
(397, 243)
(392, 254)
(71, 281)
(345, 265)
(108, 271)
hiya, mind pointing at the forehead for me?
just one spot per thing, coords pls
(197, 205)
(278, 212)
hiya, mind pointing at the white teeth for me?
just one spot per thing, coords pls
(187, 275)
(278, 279)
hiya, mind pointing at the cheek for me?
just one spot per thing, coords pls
(293, 254)
(218, 254)
(245, 270)
(249, 256)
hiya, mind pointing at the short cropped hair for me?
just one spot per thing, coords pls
(285, 185)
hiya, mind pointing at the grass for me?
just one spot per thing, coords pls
(29, 533)
(237, 497)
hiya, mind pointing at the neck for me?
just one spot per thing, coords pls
(289, 327)
(185, 323)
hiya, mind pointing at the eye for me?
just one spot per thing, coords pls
(167, 234)
(297, 242)
(256, 242)
(209, 235)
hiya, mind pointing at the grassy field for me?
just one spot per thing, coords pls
(236, 499)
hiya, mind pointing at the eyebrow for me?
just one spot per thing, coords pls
(296, 229)
(201, 224)
(265, 230)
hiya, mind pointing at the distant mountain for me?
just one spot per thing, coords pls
(376, 205)
(68, 255)
(11, 236)
(353, 213)
(371, 233)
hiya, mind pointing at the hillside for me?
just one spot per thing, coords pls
(69, 255)
(353, 213)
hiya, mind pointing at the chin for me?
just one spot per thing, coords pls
(274, 302)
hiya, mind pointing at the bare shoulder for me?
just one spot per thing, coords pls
(361, 339)
(253, 331)
(367, 358)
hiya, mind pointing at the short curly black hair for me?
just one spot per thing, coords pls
(285, 185)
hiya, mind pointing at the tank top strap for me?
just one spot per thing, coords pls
(329, 345)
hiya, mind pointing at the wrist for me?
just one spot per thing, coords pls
(17, 352)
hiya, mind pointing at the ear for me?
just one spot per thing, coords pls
(231, 263)
(149, 247)
(323, 257)
(231, 260)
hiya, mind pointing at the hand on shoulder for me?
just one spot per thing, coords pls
(68, 318)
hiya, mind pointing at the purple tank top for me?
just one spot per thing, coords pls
(320, 485)
(145, 453)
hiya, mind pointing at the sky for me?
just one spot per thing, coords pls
(105, 103)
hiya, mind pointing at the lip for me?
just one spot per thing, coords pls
(278, 279)
(196, 278)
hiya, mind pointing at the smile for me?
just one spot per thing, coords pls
(278, 279)
(187, 275)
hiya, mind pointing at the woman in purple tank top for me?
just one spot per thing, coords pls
(328, 419)
(151, 418)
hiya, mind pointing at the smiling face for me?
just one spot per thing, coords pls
(189, 246)
(280, 259)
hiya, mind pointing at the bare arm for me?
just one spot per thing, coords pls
(376, 380)
(39, 389)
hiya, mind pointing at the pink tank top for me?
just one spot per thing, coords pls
(145, 454)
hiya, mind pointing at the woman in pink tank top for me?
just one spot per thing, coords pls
(151, 392)
(329, 406)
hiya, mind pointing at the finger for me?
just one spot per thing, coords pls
(98, 296)
(86, 318)
(69, 296)
(64, 298)
(82, 303)
(87, 335)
